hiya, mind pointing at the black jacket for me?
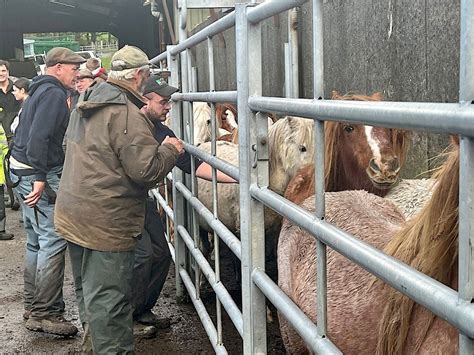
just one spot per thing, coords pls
(43, 122)
(184, 160)
(9, 108)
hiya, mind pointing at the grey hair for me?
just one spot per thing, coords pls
(125, 74)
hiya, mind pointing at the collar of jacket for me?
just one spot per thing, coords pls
(132, 94)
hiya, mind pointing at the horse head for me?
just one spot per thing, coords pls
(360, 156)
(291, 146)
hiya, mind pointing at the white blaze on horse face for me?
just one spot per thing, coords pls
(374, 143)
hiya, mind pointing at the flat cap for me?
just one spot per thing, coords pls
(128, 57)
(62, 55)
(84, 74)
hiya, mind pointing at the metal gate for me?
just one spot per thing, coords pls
(455, 307)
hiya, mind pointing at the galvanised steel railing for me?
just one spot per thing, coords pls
(455, 307)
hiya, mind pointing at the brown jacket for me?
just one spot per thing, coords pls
(112, 159)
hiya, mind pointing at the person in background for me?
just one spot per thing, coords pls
(152, 256)
(21, 93)
(112, 160)
(93, 64)
(36, 164)
(9, 108)
(84, 80)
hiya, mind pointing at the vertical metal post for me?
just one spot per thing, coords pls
(291, 56)
(178, 176)
(212, 87)
(318, 88)
(249, 50)
(466, 171)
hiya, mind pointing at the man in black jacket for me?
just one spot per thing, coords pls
(152, 256)
(36, 161)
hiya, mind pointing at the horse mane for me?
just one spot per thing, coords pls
(332, 129)
(429, 244)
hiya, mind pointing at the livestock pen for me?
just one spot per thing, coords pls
(252, 173)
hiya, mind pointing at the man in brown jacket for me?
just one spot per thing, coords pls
(112, 159)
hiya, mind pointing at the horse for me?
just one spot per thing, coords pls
(357, 156)
(202, 122)
(365, 316)
(290, 143)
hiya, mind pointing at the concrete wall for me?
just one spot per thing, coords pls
(406, 49)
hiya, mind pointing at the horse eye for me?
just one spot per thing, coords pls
(348, 129)
(208, 121)
(302, 148)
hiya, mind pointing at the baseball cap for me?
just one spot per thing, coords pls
(62, 55)
(85, 73)
(128, 57)
(157, 85)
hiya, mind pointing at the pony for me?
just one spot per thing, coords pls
(290, 143)
(365, 316)
(356, 156)
(202, 122)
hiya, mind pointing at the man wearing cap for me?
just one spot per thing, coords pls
(112, 160)
(84, 80)
(36, 165)
(152, 256)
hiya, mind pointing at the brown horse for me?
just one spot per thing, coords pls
(358, 306)
(357, 156)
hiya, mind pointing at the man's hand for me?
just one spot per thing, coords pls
(33, 197)
(175, 142)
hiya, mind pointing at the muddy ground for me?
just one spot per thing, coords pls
(185, 336)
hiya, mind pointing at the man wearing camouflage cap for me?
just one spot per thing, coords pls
(112, 159)
(36, 164)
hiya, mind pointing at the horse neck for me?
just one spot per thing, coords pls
(429, 244)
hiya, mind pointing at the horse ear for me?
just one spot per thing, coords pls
(292, 123)
(377, 96)
(335, 95)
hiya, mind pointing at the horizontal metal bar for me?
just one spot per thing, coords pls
(218, 287)
(211, 96)
(159, 58)
(214, 28)
(295, 316)
(209, 4)
(270, 8)
(451, 118)
(220, 164)
(440, 299)
(202, 313)
(163, 204)
(222, 231)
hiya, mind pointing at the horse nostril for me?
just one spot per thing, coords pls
(395, 164)
(373, 166)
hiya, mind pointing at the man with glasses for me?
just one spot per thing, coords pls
(152, 256)
(36, 164)
(112, 160)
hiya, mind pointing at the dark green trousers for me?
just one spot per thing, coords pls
(103, 290)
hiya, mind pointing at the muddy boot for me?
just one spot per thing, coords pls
(5, 236)
(52, 325)
(144, 331)
(149, 318)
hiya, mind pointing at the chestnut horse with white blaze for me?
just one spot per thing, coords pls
(365, 316)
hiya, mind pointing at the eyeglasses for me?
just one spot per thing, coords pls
(165, 102)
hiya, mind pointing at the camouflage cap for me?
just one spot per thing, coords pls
(128, 57)
(62, 55)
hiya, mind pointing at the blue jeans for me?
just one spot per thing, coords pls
(45, 251)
